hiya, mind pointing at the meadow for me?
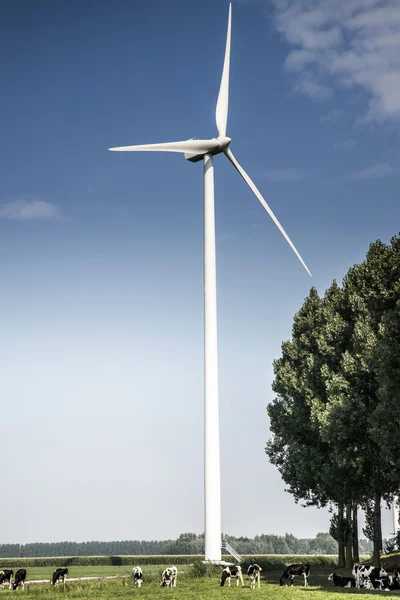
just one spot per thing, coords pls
(189, 586)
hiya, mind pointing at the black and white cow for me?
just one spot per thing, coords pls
(345, 582)
(295, 570)
(382, 583)
(253, 573)
(230, 572)
(366, 584)
(363, 572)
(394, 582)
(6, 577)
(137, 576)
(169, 577)
(59, 574)
(19, 580)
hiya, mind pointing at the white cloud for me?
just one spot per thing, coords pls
(276, 175)
(342, 145)
(353, 43)
(373, 172)
(312, 88)
(29, 210)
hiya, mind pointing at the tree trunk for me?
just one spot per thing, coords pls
(349, 538)
(356, 552)
(377, 531)
(341, 558)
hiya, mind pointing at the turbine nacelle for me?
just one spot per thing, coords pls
(223, 143)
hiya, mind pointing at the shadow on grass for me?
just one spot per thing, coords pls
(318, 582)
(340, 590)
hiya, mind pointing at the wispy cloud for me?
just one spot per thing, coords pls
(29, 210)
(351, 43)
(276, 175)
(343, 145)
(334, 115)
(311, 87)
(373, 172)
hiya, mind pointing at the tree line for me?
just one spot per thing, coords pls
(323, 543)
(335, 420)
(187, 543)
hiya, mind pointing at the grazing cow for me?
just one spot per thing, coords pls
(382, 583)
(345, 582)
(362, 572)
(137, 576)
(230, 572)
(169, 577)
(253, 573)
(394, 583)
(366, 584)
(59, 574)
(292, 571)
(19, 580)
(391, 567)
(6, 576)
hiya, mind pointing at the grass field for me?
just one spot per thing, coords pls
(188, 587)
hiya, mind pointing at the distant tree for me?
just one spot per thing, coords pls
(323, 543)
(187, 543)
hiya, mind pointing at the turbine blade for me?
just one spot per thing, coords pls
(190, 146)
(221, 113)
(253, 188)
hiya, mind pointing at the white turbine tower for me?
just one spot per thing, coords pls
(196, 150)
(396, 515)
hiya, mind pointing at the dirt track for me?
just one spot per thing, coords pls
(99, 578)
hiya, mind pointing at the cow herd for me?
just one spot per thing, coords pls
(368, 577)
(363, 576)
(170, 575)
(7, 576)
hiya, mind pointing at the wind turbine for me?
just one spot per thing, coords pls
(396, 515)
(196, 150)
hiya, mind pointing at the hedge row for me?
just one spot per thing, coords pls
(92, 561)
(269, 562)
(277, 562)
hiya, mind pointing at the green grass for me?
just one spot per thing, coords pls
(188, 588)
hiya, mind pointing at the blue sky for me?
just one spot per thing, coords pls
(101, 353)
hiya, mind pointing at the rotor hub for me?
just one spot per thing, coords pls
(224, 141)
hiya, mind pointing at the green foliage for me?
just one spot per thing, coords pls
(266, 561)
(276, 562)
(187, 543)
(336, 415)
(201, 569)
(71, 561)
(190, 543)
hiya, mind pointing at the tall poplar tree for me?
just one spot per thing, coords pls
(335, 417)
